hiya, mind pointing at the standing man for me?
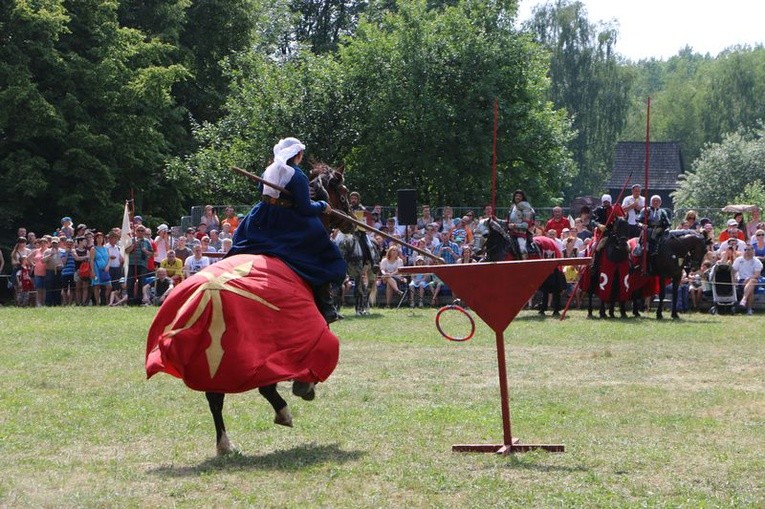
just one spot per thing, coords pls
(139, 251)
(633, 206)
(747, 269)
(557, 222)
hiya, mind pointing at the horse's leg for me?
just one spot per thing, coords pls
(371, 289)
(222, 444)
(283, 416)
(603, 313)
(660, 309)
(675, 287)
(543, 304)
(589, 304)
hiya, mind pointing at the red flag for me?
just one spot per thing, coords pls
(244, 322)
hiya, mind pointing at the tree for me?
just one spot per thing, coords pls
(724, 170)
(86, 113)
(421, 85)
(589, 81)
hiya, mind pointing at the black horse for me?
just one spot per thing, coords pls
(326, 184)
(678, 249)
(611, 269)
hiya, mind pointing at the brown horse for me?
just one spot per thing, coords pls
(326, 184)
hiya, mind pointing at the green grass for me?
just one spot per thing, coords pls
(652, 414)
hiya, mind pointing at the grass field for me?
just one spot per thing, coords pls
(652, 414)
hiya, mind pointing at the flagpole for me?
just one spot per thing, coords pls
(646, 210)
(494, 161)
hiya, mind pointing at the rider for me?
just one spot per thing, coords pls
(656, 221)
(361, 213)
(288, 227)
(603, 219)
(520, 221)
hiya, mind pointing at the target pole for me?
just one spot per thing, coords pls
(494, 161)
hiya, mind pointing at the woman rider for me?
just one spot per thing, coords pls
(288, 227)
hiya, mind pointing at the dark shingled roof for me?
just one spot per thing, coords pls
(665, 164)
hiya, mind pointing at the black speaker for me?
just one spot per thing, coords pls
(407, 206)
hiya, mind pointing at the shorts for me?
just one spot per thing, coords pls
(116, 274)
(419, 284)
(40, 282)
(67, 281)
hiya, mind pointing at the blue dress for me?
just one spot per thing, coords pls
(293, 234)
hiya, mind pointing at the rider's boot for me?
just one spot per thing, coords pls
(323, 297)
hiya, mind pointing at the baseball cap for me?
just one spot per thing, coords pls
(162, 227)
(732, 222)
(138, 218)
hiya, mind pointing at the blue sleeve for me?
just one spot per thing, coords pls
(298, 186)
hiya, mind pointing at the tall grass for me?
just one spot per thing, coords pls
(656, 414)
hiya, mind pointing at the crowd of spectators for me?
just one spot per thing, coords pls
(82, 266)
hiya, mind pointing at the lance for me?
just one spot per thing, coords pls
(343, 216)
(644, 233)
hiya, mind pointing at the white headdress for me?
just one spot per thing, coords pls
(606, 198)
(279, 172)
(656, 197)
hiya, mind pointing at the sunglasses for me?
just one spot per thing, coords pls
(761, 234)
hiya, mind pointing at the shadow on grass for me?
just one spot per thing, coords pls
(295, 459)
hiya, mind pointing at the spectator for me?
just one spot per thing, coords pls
(582, 233)
(389, 275)
(201, 231)
(691, 222)
(425, 219)
(747, 271)
(418, 284)
(162, 244)
(231, 220)
(19, 250)
(195, 263)
(31, 237)
(488, 212)
(191, 239)
(25, 288)
(696, 290)
(447, 220)
(119, 296)
(377, 218)
(215, 241)
(206, 247)
(753, 225)
(447, 249)
(466, 254)
(210, 218)
(758, 243)
(173, 267)
(116, 260)
(81, 282)
(52, 260)
(35, 260)
(226, 232)
(157, 290)
(633, 206)
(66, 227)
(181, 249)
(225, 246)
(729, 251)
(68, 286)
(99, 266)
(731, 231)
(741, 225)
(139, 251)
(557, 222)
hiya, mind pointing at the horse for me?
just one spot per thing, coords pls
(677, 249)
(493, 238)
(206, 331)
(363, 259)
(610, 274)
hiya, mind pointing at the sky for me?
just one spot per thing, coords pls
(660, 28)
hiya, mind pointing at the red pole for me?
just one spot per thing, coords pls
(494, 161)
(647, 202)
(506, 433)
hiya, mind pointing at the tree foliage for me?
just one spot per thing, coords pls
(589, 81)
(724, 170)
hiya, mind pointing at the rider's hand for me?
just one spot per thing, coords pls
(328, 209)
(602, 227)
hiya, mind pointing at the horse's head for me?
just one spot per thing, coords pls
(328, 184)
(617, 247)
(498, 242)
(697, 248)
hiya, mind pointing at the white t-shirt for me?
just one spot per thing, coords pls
(747, 268)
(633, 214)
(193, 265)
(387, 267)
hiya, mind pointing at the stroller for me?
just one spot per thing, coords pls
(723, 289)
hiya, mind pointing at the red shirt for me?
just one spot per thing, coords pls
(557, 225)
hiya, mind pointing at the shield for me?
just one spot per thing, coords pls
(244, 322)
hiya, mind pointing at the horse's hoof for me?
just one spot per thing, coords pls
(224, 446)
(675, 316)
(556, 313)
(305, 390)
(284, 417)
(636, 314)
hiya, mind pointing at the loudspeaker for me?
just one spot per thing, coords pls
(407, 206)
